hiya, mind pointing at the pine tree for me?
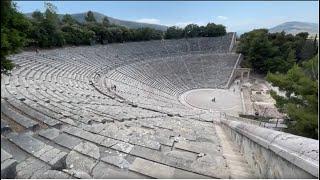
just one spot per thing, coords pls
(13, 32)
(301, 102)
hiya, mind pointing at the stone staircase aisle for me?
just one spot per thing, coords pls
(237, 164)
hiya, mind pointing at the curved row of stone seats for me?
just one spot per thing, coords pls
(132, 144)
(187, 72)
(83, 133)
(175, 75)
(42, 95)
(144, 95)
(62, 84)
(43, 79)
(115, 55)
(42, 87)
(17, 118)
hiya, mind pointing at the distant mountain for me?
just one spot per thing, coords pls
(80, 17)
(295, 27)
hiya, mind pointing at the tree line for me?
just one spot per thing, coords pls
(275, 52)
(47, 30)
(290, 63)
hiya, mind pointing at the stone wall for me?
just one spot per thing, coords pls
(274, 154)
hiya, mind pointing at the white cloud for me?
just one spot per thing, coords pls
(149, 20)
(223, 17)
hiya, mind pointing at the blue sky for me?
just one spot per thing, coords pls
(235, 15)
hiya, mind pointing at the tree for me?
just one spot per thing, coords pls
(191, 30)
(46, 31)
(301, 101)
(174, 33)
(274, 52)
(258, 51)
(213, 30)
(308, 50)
(14, 27)
(90, 17)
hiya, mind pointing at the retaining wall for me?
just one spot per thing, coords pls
(274, 154)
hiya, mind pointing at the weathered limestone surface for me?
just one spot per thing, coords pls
(49, 133)
(88, 149)
(51, 174)
(274, 154)
(67, 141)
(103, 171)
(78, 162)
(37, 148)
(152, 169)
(30, 166)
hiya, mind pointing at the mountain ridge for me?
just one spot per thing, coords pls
(295, 27)
(80, 17)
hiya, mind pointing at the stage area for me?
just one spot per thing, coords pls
(225, 100)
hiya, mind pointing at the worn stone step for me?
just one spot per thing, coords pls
(17, 117)
(50, 174)
(38, 149)
(152, 169)
(105, 171)
(34, 114)
(31, 166)
(180, 163)
(14, 150)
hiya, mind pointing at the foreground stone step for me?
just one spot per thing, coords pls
(207, 166)
(152, 169)
(35, 147)
(90, 151)
(104, 171)
(14, 150)
(34, 114)
(51, 174)
(8, 165)
(20, 119)
(31, 166)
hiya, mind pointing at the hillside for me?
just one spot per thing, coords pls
(295, 27)
(80, 17)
